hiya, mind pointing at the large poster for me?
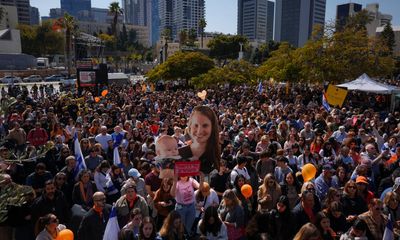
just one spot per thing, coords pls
(87, 78)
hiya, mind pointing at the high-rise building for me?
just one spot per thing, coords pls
(155, 22)
(135, 12)
(23, 9)
(187, 15)
(344, 11)
(256, 19)
(55, 13)
(165, 13)
(35, 16)
(295, 20)
(77, 8)
(377, 18)
(100, 15)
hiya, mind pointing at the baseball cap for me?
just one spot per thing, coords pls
(328, 167)
(133, 172)
(362, 179)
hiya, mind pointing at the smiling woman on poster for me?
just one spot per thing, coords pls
(203, 130)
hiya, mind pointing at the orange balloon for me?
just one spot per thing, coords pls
(104, 93)
(65, 234)
(246, 190)
(308, 172)
(96, 99)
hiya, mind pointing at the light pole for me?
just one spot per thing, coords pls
(240, 52)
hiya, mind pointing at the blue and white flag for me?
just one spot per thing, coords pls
(260, 88)
(112, 228)
(80, 160)
(116, 157)
(388, 234)
(325, 103)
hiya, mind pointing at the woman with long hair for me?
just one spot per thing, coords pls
(337, 218)
(362, 189)
(183, 191)
(204, 132)
(306, 157)
(83, 191)
(323, 224)
(163, 201)
(47, 227)
(308, 232)
(279, 218)
(291, 189)
(327, 154)
(353, 205)
(232, 214)
(268, 193)
(340, 178)
(173, 228)
(391, 206)
(210, 226)
(240, 180)
(333, 195)
(316, 145)
(148, 230)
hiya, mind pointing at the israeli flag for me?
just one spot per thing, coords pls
(116, 157)
(80, 160)
(388, 234)
(112, 228)
(325, 103)
(260, 88)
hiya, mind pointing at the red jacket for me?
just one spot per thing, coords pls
(37, 137)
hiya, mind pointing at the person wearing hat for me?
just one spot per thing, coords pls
(362, 189)
(135, 177)
(324, 181)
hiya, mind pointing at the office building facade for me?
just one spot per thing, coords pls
(187, 15)
(344, 11)
(295, 20)
(256, 19)
(77, 8)
(377, 18)
(35, 16)
(165, 12)
(23, 9)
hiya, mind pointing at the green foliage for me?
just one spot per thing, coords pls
(387, 37)
(344, 55)
(183, 37)
(359, 21)
(202, 26)
(281, 66)
(109, 40)
(33, 37)
(192, 37)
(224, 47)
(115, 10)
(235, 72)
(182, 65)
(13, 195)
(263, 52)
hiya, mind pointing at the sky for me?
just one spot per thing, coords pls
(221, 15)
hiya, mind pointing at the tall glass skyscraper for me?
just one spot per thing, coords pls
(23, 9)
(77, 8)
(256, 19)
(295, 20)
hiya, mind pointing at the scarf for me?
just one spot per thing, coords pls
(98, 210)
(86, 195)
(131, 204)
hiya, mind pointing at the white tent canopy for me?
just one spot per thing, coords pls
(366, 84)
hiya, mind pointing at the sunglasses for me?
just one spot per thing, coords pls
(99, 200)
(353, 187)
(310, 189)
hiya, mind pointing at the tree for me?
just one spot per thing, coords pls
(236, 72)
(387, 37)
(192, 36)
(115, 10)
(122, 41)
(69, 26)
(224, 47)
(281, 66)
(358, 21)
(182, 65)
(109, 41)
(202, 26)
(183, 37)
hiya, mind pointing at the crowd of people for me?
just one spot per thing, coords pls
(239, 135)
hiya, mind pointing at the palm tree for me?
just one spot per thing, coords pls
(202, 26)
(68, 24)
(115, 10)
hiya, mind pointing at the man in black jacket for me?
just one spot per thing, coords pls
(51, 201)
(95, 221)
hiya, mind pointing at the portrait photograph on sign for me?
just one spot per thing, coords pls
(87, 78)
